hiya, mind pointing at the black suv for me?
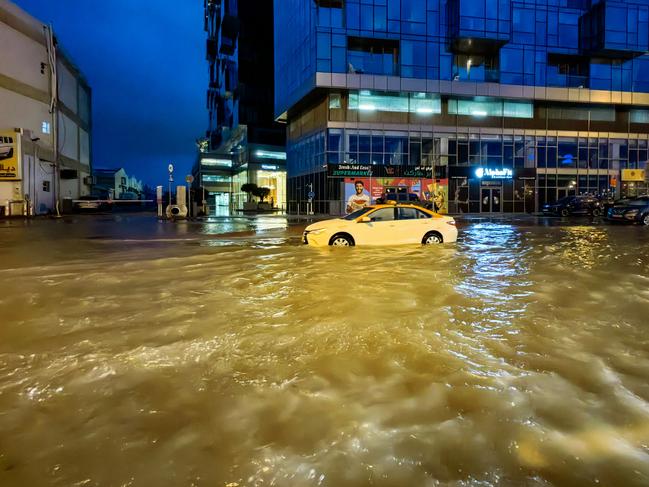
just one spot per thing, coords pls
(632, 210)
(575, 205)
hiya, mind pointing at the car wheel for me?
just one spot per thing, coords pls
(645, 220)
(565, 212)
(341, 241)
(596, 212)
(432, 238)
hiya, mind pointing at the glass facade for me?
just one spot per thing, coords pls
(556, 90)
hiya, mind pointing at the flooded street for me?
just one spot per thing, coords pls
(134, 353)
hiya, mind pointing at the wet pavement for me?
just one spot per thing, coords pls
(137, 353)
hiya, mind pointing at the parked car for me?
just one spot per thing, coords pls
(632, 210)
(575, 205)
(411, 198)
(389, 224)
(91, 203)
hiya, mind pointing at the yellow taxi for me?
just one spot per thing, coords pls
(388, 224)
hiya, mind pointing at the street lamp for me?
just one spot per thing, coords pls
(171, 180)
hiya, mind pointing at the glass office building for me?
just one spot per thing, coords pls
(499, 105)
(243, 143)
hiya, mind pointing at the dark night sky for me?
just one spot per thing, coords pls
(145, 62)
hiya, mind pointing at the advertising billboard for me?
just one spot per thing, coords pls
(633, 175)
(9, 163)
(363, 191)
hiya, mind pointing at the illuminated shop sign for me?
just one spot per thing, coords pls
(269, 167)
(378, 171)
(494, 173)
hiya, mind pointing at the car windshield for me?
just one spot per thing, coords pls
(355, 214)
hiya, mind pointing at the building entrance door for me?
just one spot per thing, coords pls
(221, 204)
(490, 200)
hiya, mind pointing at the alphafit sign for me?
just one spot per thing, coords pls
(494, 173)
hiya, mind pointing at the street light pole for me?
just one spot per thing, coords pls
(171, 180)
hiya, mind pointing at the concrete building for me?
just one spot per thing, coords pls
(45, 118)
(491, 105)
(116, 184)
(244, 144)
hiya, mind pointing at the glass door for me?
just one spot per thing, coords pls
(490, 200)
(496, 200)
(485, 200)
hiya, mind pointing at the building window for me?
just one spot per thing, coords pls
(475, 68)
(639, 116)
(212, 178)
(334, 100)
(373, 56)
(490, 108)
(567, 71)
(46, 186)
(596, 114)
(420, 103)
(45, 127)
(331, 13)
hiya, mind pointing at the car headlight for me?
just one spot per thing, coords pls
(316, 231)
(631, 214)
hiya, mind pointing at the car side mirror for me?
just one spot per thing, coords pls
(364, 219)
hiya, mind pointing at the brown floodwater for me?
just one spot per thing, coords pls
(518, 356)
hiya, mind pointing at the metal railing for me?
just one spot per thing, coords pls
(320, 207)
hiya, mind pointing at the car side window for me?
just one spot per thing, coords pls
(382, 215)
(407, 214)
(423, 214)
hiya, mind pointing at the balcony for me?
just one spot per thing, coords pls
(373, 56)
(229, 34)
(476, 68)
(615, 30)
(568, 71)
(567, 81)
(475, 27)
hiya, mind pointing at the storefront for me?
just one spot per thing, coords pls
(480, 189)
(366, 184)
(635, 182)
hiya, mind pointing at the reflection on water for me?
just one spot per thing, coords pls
(517, 356)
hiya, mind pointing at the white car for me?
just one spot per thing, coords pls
(6, 148)
(390, 224)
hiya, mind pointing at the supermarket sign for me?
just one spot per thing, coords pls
(378, 171)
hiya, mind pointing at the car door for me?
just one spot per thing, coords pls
(581, 205)
(380, 230)
(412, 225)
